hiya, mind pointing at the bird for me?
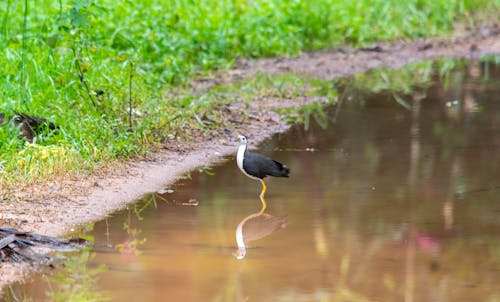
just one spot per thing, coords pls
(257, 166)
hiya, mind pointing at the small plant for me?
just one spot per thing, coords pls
(77, 281)
(306, 113)
(131, 246)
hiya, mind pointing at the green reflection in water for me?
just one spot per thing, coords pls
(77, 281)
(404, 86)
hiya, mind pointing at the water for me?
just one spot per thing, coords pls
(385, 204)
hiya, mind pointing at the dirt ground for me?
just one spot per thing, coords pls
(57, 206)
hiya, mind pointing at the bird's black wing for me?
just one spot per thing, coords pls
(260, 166)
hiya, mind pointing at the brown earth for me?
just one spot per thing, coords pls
(55, 207)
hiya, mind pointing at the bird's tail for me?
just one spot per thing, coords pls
(281, 170)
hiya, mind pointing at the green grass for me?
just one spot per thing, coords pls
(57, 56)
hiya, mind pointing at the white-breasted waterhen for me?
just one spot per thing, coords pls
(258, 166)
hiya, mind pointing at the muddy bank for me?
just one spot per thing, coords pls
(56, 206)
(346, 61)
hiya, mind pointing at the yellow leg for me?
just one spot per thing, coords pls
(264, 188)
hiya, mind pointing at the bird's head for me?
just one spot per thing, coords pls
(240, 253)
(242, 139)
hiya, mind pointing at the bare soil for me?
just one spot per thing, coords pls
(55, 207)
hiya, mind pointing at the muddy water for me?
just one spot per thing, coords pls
(387, 203)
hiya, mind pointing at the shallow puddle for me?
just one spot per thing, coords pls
(396, 200)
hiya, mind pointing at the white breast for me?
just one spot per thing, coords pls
(239, 160)
(239, 157)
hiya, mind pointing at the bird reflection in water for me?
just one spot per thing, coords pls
(256, 226)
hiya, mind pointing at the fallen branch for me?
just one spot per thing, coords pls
(17, 246)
